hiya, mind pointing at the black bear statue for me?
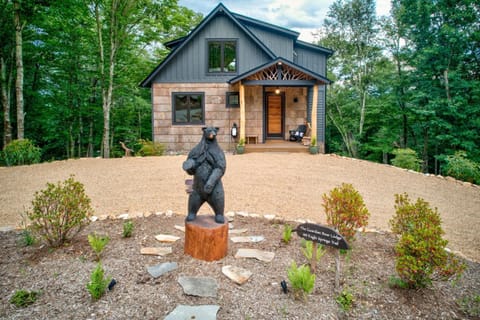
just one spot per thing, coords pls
(206, 162)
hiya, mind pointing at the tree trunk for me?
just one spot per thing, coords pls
(4, 85)
(19, 64)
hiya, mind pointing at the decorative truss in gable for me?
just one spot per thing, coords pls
(279, 72)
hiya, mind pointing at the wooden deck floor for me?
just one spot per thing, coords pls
(276, 146)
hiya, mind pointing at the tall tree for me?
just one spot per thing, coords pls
(19, 25)
(6, 69)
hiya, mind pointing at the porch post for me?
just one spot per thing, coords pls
(314, 111)
(242, 111)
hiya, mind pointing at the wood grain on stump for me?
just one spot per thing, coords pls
(205, 239)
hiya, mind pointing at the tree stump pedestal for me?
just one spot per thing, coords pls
(205, 239)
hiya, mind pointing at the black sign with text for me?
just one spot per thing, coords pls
(322, 235)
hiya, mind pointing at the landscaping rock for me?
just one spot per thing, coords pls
(166, 238)
(160, 269)
(261, 255)
(205, 312)
(199, 286)
(247, 239)
(156, 251)
(236, 274)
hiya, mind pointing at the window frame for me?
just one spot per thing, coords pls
(222, 42)
(189, 122)
(227, 99)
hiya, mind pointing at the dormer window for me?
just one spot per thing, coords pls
(222, 56)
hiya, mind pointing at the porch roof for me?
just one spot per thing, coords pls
(280, 72)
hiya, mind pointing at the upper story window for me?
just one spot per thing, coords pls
(222, 56)
(188, 107)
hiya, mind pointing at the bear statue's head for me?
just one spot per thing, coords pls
(210, 133)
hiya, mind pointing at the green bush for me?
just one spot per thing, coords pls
(302, 280)
(420, 250)
(23, 298)
(407, 159)
(20, 152)
(461, 168)
(345, 300)
(98, 243)
(127, 229)
(307, 250)
(287, 233)
(149, 148)
(60, 211)
(98, 282)
(345, 210)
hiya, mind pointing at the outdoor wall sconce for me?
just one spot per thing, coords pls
(277, 91)
(234, 130)
(295, 99)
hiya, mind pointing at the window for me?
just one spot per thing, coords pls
(188, 108)
(233, 100)
(222, 56)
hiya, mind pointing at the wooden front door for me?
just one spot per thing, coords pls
(274, 115)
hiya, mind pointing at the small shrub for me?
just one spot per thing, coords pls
(470, 305)
(396, 282)
(407, 159)
(98, 243)
(287, 233)
(20, 152)
(461, 168)
(27, 239)
(345, 300)
(345, 210)
(98, 282)
(127, 229)
(307, 250)
(420, 250)
(149, 148)
(23, 298)
(60, 211)
(302, 280)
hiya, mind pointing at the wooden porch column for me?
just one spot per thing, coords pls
(242, 111)
(314, 112)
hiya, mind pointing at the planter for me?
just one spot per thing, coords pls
(313, 149)
(240, 149)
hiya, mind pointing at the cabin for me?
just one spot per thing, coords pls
(253, 80)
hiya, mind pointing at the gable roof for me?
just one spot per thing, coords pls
(280, 60)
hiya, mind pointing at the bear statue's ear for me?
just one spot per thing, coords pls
(216, 129)
(204, 128)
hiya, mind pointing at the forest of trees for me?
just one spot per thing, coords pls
(70, 69)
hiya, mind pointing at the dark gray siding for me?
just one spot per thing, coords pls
(311, 60)
(190, 64)
(321, 121)
(280, 45)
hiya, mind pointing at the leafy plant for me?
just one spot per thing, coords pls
(345, 210)
(307, 250)
(127, 229)
(27, 238)
(23, 298)
(345, 300)
(149, 148)
(241, 142)
(313, 141)
(420, 250)
(98, 282)
(60, 211)
(98, 243)
(287, 233)
(407, 159)
(396, 282)
(461, 168)
(20, 152)
(302, 280)
(470, 305)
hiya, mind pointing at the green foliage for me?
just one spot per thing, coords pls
(27, 238)
(20, 152)
(407, 159)
(287, 233)
(302, 280)
(127, 229)
(23, 298)
(307, 250)
(98, 243)
(470, 305)
(345, 299)
(60, 211)
(396, 282)
(345, 210)
(462, 168)
(313, 141)
(149, 148)
(420, 250)
(98, 282)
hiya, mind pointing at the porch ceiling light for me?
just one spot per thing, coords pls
(277, 90)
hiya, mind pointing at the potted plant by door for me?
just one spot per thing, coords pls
(313, 148)
(240, 146)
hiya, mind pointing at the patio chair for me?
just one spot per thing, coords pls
(298, 134)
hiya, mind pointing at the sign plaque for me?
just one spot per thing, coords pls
(321, 234)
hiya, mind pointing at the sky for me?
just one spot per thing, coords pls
(304, 16)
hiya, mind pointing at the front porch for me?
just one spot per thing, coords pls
(276, 146)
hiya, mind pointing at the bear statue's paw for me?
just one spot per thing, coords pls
(219, 218)
(191, 217)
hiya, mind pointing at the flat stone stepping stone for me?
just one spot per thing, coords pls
(261, 255)
(204, 312)
(247, 239)
(180, 228)
(199, 286)
(166, 238)
(236, 274)
(156, 251)
(160, 269)
(237, 231)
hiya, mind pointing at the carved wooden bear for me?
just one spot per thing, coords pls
(206, 162)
